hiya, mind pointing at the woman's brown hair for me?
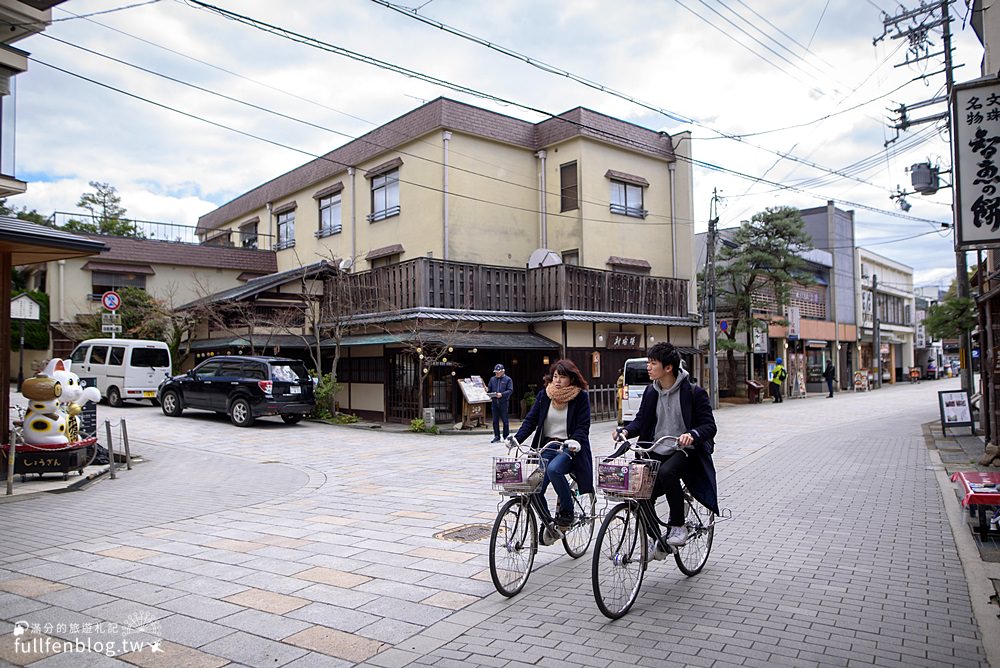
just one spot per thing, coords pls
(566, 368)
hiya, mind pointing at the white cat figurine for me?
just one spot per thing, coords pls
(56, 399)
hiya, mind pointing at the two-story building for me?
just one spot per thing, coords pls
(885, 288)
(543, 240)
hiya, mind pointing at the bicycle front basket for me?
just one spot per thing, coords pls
(518, 475)
(626, 478)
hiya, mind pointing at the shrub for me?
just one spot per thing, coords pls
(325, 391)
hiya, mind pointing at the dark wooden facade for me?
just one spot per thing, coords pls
(440, 284)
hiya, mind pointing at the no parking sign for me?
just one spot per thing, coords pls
(111, 300)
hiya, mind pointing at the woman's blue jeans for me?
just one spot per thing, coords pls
(559, 464)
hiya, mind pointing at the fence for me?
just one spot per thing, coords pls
(603, 403)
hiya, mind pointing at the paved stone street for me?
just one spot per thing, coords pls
(314, 545)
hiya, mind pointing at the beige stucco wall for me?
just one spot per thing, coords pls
(579, 335)
(364, 397)
(550, 330)
(173, 284)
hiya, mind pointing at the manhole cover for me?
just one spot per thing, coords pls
(468, 533)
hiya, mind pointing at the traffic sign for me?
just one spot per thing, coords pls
(111, 300)
(111, 329)
(111, 318)
(723, 325)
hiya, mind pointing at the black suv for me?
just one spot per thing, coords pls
(245, 388)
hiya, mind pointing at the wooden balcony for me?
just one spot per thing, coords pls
(440, 284)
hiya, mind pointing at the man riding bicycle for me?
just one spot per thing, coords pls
(671, 405)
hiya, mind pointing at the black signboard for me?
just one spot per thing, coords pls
(956, 410)
(88, 415)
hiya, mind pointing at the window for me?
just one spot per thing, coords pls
(571, 257)
(101, 282)
(117, 356)
(248, 234)
(150, 357)
(208, 369)
(384, 261)
(568, 191)
(254, 371)
(99, 355)
(626, 199)
(329, 215)
(385, 196)
(79, 355)
(286, 230)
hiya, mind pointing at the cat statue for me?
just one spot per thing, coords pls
(55, 399)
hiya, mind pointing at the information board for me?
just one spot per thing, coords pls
(474, 390)
(956, 410)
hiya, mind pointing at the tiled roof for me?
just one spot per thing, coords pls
(154, 252)
(255, 286)
(445, 114)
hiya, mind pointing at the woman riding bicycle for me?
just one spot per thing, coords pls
(671, 405)
(561, 412)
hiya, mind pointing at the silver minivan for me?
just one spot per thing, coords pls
(123, 368)
(636, 380)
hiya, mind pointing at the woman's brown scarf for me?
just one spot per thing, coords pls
(561, 396)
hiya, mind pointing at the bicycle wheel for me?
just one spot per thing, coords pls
(692, 555)
(619, 557)
(577, 539)
(513, 544)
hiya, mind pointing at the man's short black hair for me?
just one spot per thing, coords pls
(666, 354)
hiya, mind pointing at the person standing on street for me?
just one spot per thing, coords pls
(828, 374)
(500, 389)
(777, 377)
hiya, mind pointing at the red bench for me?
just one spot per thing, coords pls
(982, 490)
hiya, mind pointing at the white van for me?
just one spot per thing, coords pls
(636, 380)
(123, 368)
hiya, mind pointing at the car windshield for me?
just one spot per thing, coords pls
(289, 373)
(151, 357)
(636, 374)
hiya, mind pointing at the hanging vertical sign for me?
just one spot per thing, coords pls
(975, 109)
(792, 314)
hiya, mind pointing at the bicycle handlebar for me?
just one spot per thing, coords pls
(625, 445)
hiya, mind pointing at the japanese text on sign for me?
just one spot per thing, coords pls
(976, 110)
(624, 341)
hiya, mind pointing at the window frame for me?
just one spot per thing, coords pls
(327, 203)
(285, 221)
(386, 187)
(569, 190)
(623, 208)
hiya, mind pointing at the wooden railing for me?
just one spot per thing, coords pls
(430, 283)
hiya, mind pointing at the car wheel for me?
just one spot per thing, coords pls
(170, 403)
(240, 413)
(115, 397)
(291, 418)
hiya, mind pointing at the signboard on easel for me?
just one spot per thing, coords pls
(474, 400)
(956, 410)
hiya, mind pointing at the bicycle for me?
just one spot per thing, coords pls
(515, 536)
(620, 554)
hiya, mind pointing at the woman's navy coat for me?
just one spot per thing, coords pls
(578, 428)
(699, 422)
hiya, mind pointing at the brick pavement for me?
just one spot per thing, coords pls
(315, 545)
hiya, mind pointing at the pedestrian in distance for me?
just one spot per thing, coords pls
(828, 374)
(500, 388)
(561, 412)
(672, 406)
(777, 377)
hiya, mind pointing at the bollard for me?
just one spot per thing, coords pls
(128, 454)
(111, 449)
(11, 451)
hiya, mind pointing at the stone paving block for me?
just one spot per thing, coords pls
(25, 649)
(209, 587)
(129, 553)
(150, 594)
(317, 660)
(342, 619)
(120, 609)
(347, 598)
(267, 601)
(174, 655)
(219, 571)
(249, 650)
(191, 632)
(200, 607)
(390, 631)
(333, 577)
(269, 565)
(30, 586)
(78, 660)
(264, 624)
(336, 643)
(234, 545)
(404, 611)
(450, 600)
(13, 606)
(48, 570)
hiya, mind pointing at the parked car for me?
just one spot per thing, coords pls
(122, 368)
(244, 388)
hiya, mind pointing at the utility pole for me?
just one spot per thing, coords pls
(713, 359)
(919, 22)
(876, 333)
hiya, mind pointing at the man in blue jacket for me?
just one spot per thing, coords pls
(672, 406)
(500, 388)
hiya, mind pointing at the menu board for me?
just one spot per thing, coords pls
(474, 390)
(956, 409)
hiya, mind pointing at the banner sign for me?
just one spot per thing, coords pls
(976, 140)
(793, 322)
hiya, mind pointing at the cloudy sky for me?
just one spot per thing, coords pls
(788, 100)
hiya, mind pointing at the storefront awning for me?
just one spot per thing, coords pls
(485, 340)
(816, 343)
